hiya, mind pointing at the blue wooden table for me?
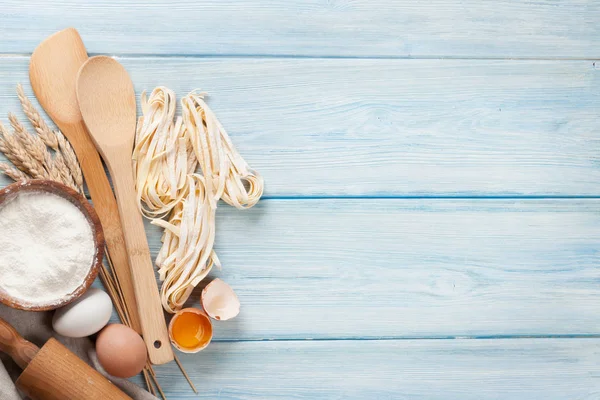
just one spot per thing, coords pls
(431, 222)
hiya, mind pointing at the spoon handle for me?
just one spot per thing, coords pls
(152, 318)
(106, 207)
(19, 349)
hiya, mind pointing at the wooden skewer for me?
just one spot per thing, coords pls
(148, 383)
(185, 374)
(153, 376)
(109, 285)
(110, 289)
(117, 286)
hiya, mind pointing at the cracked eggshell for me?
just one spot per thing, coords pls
(220, 301)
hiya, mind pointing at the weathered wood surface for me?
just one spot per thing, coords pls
(333, 269)
(432, 175)
(324, 28)
(390, 128)
(550, 369)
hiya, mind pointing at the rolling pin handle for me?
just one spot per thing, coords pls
(19, 349)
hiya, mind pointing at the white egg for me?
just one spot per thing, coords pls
(85, 316)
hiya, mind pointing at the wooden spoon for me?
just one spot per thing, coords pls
(107, 103)
(53, 71)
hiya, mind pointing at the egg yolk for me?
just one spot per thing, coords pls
(191, 330)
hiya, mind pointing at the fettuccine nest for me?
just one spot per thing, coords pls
(167, 153)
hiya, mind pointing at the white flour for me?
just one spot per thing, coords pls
(46, 247)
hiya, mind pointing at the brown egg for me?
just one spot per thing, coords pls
(121, 351)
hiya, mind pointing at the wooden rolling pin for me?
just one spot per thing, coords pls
(54, 372)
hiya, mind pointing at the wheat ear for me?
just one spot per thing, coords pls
(65, 159)
(70, 160)
(33, 145)
(12, 173)
(40, 126)
(63, 170)
(5, 149)
(15, 152)
(36, 148)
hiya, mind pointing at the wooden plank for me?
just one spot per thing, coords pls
(407, 369)
(331, 269)
(332, 127)
(340, 28)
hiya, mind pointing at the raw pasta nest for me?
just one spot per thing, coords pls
(226, 171)
(178, 199)
(163, 156)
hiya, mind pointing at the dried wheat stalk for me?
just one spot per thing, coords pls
(30, 154)
(5, 148)
(12, 173)
(70, 159)
(53, 139)
(14, 150)
(32, 144)
(40, 126)
(36, 148)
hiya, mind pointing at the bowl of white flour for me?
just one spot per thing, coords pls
(51, 245)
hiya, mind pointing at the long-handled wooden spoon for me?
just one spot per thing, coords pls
(53, 71)
(107, 103)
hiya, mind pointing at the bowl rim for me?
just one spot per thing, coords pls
(78, 200)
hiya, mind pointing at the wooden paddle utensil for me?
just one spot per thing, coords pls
(53, 71)
(107, 103)
(54, 372)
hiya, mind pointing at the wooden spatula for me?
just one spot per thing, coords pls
(53, 372)
(107, 103)
(52, 71)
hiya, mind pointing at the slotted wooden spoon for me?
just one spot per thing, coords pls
(52, 71)
(107, 103)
